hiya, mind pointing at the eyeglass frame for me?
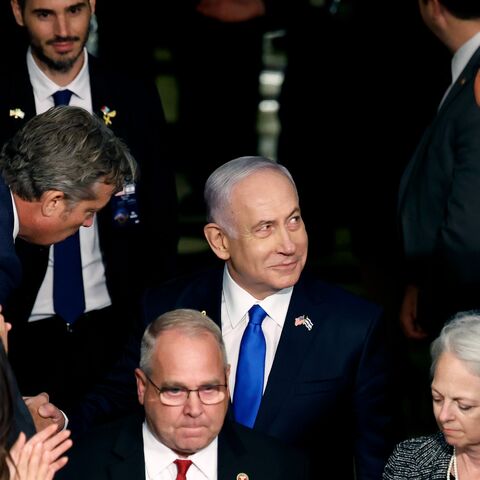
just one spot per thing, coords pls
(187, 390)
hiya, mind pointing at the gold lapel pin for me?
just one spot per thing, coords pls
(17, 113)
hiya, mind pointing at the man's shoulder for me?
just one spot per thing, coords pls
(119, 78)
(198, 290)
(261, 450)
(199, 280)
(335, 296)
(114, 445)
(104, 435)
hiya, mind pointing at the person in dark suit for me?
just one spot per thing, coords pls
(136, 229)
(438, 198)
(23, 453)
(44, 202)
(182, 384)
(326, 367)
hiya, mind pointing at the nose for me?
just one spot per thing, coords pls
(286, 245)
(446, 412)
(193, 406)
(61, 26)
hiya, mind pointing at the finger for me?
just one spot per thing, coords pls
(34, 462)
(22, 463)
(55, 467)
(43, 435)
(17, 447)
(58, 444)
(41, 399)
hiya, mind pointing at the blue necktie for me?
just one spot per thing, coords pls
(250, 369)
(68, 293)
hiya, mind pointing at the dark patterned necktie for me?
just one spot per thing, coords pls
(250, 369)
(68, 292)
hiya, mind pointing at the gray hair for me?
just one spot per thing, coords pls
(192, 323)
(460, 337)
(219, 186)
(65, 149)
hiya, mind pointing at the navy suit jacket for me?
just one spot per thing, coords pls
(439, 206)
(115, 452)
(10, 273)
(21, 420)
(10, 269)
(135, 256)
(327, 392)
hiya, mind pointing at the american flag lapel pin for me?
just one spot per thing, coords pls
(305, 321)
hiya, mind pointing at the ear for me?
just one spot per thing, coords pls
(438, 11)
(52, 203)
(217, 240)
(141, 385)
(17, 12)
(92, 6)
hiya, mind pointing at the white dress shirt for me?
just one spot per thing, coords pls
(96, 294)
(16, 224)
(236, 303)
(460, 59)
(159, 460)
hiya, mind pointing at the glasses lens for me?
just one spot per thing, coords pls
(174, 396)
(211, 394)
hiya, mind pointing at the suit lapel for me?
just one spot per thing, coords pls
(233, 457)
(466, 77)
(21, 106)
(128, 453)
(294, 342)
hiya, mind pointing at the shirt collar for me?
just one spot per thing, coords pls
(16, 224)
(238, 302)
(44, 88)
(159, 457)
(463, 55)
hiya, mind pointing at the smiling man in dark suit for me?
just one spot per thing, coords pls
(326, 370)
(135, 229)
(182, 385)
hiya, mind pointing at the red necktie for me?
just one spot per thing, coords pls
(182, 467)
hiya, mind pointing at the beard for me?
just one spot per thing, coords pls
(58, 65)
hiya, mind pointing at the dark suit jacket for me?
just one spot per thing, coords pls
(439, 206)
(327, 390)
(21, 419)
(10, 272)
(134, 256)
(115, 452)
(10, 269)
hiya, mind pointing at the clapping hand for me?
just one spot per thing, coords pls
(40, 457)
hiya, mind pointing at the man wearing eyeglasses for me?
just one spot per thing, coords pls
(182, 384)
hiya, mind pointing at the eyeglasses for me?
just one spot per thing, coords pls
(177, 396)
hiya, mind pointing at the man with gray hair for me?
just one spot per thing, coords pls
(182, 384)
(55, 173)
(308, 360)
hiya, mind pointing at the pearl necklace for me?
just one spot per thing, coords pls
(453, 462)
